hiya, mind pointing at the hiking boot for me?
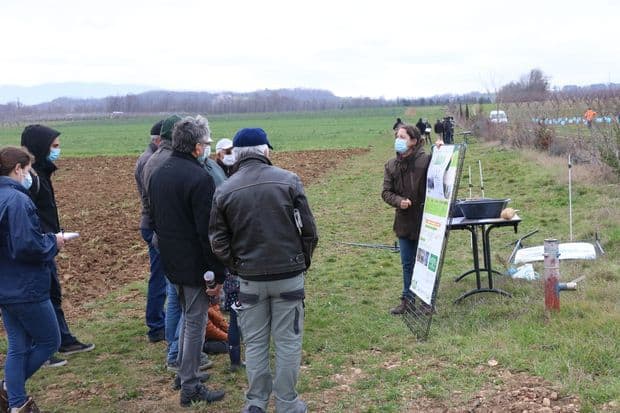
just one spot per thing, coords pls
(28, 407)
(401, 308)
(200, 394)
(157, 336)
(76, 347)
(54, 362)
(4, 398)
(176, 385)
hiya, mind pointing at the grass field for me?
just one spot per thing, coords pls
(357, 357)
(287, 131)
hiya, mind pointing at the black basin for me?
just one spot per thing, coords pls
(482, 208)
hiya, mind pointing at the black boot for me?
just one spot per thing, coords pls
(199, 394)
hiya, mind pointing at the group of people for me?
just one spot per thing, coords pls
(30, 239)
(234, 222)
(236, 217)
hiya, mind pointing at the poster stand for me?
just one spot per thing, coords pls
(444, 175)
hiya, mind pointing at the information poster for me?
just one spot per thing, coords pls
(440, 183)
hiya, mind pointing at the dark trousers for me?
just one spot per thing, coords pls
(66, 338)
(156, 293)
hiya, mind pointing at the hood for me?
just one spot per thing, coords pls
(38, 139)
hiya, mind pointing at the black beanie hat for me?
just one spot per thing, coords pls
(156, 129)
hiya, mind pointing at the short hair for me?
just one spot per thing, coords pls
(11, 156)
(188, 132)
(241, 152)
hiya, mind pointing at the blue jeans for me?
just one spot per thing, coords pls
(156, 294)
(408, 250)
(173, 322)
(33, 336)
(66, 338)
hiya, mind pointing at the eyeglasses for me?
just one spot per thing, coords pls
(227, 151)
(205, 144)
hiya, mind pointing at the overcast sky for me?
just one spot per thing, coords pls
(353, 48)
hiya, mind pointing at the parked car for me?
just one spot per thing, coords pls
(498, 116)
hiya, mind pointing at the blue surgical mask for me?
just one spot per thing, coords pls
(27, 181)
(54, 154)
(400, 145)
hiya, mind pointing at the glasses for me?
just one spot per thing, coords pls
(205, 144)
(227, 151)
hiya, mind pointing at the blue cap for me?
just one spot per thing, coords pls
(251, 137)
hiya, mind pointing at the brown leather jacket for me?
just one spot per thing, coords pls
(405, 177)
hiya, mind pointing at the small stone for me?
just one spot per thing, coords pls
(546, 410)
(492, 363)
(546, 402)
(554, 395)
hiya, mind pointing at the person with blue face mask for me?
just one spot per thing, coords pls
(27, 312)
(44, 143)
(404, 188)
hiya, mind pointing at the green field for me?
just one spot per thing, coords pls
(349, 331)
(287, 132)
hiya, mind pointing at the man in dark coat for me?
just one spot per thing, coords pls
(44, 143)
(263, 230)
(156, 293)
(180, 195)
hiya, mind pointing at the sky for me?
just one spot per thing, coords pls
(357, 48)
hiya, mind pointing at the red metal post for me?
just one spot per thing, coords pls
(552, 274)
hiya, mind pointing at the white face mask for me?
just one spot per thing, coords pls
(207, 151)
(229, 159)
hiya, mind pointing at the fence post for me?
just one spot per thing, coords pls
(552, 274)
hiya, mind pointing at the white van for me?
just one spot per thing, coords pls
(498, 116)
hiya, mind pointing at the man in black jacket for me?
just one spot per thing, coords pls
(263, 230)
(180, 194)
(44, 143)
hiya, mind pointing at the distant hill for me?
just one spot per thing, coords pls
(31, 95)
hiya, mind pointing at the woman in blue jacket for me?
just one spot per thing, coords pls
(27, 312)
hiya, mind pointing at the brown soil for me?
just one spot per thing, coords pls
(98, 198)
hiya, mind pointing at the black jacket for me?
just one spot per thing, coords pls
(180, 196)
(38, 139)
(253, 229)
